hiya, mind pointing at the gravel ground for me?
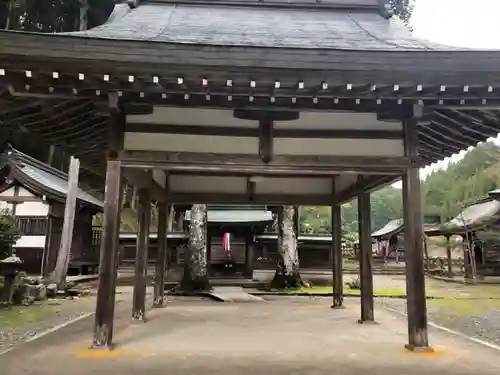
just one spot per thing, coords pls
(35, 319)
(471, 310)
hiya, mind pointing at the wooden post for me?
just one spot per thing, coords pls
(338, 287)
(426, 252)
(50, 158)
(63, 254)
(249, 255)
(365, 259)
(47, 251)
(84, 7)
(161, 256)
(448, 256)
(104, 313)
(141, 256)
(415, 276)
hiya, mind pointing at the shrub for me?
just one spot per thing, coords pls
(354, 284)
(9, 234)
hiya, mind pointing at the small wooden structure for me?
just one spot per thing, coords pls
(264, 102)
(479, 226)
(390, 239)
(389, 243)
(231, 237)
(35, 193)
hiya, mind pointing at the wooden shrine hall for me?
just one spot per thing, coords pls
(252, 102)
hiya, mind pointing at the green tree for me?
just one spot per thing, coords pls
(9, 234)
(403, 9)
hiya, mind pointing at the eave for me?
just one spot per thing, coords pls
(436, 67)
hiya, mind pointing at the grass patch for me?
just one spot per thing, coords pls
(455, 308)
(18, 317)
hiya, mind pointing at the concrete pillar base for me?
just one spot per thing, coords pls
(338, 307)
(367, 321)
(419, 349)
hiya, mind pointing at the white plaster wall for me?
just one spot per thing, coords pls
(31, 242)
(185, 116)
(24, 193)
(291, 186)
(221, 117)
(32, 209)
(338, 147)
(338, 121)
(190, 143)
(8, 192)
(207, 184)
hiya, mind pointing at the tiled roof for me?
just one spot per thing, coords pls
(222, 25)
(44, 179)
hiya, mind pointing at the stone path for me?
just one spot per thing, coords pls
(233, 294)
(285, 336)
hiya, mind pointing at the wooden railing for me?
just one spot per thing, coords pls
(32, 226)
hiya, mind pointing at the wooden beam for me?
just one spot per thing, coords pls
(161, 256)
(492, 125)
(254, 132)
(265, 199)
(365, 258)
(19, 199)
(413, 236)
(366, 184)
(214, 169)
(156, 159)
(458, 129)
(143, 179)
(266, 140)
(141, 257)
(463, 126)
(449, 139)
(337, 261)
(104, 313)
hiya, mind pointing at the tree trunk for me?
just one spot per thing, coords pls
(64, 253)
(195, 276)
(287, 273)
(84, 7)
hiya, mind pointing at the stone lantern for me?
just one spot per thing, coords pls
(9, 269)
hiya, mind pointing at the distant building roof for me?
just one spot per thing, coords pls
(236, 214)
(43, 179)
(474, 217)
(392, 227)
(310, 238)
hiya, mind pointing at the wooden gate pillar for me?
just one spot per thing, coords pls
(141, 256)
(104, 313)
(105, 305)
(413, 235)
(365, 258)
(161, 255)
(338, 288)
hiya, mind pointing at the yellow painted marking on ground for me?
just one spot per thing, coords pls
(436, 353)
(100, 353)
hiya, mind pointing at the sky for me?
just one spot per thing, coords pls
(461, 23)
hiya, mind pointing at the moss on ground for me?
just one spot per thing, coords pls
(18, 317)
(328, 289)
